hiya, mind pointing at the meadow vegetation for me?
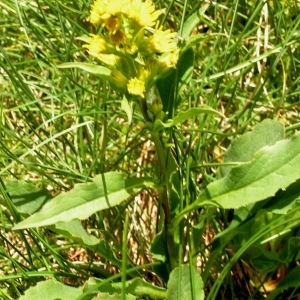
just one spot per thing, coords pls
(145, 161)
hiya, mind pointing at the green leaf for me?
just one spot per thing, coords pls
(159, 247)
(185, 115)
(51, 290)
(91, 68)
(185, 283)
(26, 197)
(106, 296)
(127, 108)
(266, 133)
(284, 199)
(75, 231)
(140, 287)
(136, 286)
(193, 20)
(182, 74)
(85, 199)
(273, 168)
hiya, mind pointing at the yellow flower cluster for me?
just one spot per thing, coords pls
(143, 13)
(132, 44)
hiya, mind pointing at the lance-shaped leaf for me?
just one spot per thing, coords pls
(105, 191)
(185, 115)
(91, 68)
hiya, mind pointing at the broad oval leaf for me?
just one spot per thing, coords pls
(266, 133)
(26, 197)
(273, 168)
(86, 199)
(51, 289)
(185, 283)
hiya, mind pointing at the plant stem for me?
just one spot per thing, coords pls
(163, 191)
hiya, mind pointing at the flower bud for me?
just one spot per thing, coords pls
(119, 80)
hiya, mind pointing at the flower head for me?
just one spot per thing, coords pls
(143, 13)
(137, 59)
(162, 41)
(96, 45)
(136, 87)
(169, 60)
(104, 9)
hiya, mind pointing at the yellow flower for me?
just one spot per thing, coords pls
(104, 9)
(136, 87)
(131, 48)
(96, 45)
(169, 60)
(96, 12)
(162, 41)
(142, 13)
(109, 59)
(100, 49)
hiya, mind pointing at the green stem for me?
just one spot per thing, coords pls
(164, 184)
(163, 190)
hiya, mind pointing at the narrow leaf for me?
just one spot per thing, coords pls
(91, 68)
(193, 21)
(85, 199)
(185, 115)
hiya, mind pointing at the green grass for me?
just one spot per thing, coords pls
(60, 127)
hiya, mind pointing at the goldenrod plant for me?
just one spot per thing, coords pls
(149, 150)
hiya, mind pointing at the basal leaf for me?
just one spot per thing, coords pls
(284, 199)
(51, 289)
(75, 231)
(136, 287)
(85, 199)
(273, 168)
(107, 296)
(26, 197)
(185, 283)
(243, 149)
